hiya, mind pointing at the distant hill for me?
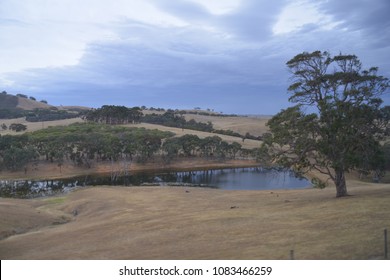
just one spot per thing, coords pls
(29, 104)
(12, 102)
(19, 106)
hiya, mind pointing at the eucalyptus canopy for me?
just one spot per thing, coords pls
(338, 120)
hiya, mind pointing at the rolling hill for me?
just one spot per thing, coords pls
(10, 102)
(31, 110)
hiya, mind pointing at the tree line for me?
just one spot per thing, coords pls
(173, 119)
(210, 147)
(110, 114)
(84, 144)
(81, 144)
(53, 114)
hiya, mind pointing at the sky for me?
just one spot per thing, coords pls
(226, 55)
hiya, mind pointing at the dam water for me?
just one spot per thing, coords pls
(253, 178)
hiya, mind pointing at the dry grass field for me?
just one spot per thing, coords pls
(254, 125)
(197, 223)
(33, 126)
(28, 104)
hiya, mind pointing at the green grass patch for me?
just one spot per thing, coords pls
(55, 200)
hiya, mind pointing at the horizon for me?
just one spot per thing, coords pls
(142, 107)
(227, 55)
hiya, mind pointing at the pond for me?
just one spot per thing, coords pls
(254, 178)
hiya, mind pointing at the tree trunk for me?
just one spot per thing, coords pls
(341, 186)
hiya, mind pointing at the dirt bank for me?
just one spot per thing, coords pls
(45, 170)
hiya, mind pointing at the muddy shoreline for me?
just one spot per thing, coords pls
(52, 171)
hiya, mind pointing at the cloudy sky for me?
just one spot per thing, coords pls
(227, 55)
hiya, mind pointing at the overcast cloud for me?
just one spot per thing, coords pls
(228, 55)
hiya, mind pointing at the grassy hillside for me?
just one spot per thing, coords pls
(12, 102)
(20, 109)
(240, 124)
(196, 223)
(28, 104)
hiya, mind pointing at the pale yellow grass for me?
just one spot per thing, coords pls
(196, 223)
(33, 126)
(28, 104)
(253, 125)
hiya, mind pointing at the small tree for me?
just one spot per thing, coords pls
(17, 127)
(21, 95)
(346, 124)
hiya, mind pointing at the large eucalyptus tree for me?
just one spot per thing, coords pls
(338, 120)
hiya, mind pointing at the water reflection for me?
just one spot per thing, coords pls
(245, 179)
(231, 179)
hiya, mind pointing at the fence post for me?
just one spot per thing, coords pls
(385, 234)
(291, 254)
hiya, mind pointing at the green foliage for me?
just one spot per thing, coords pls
(191, 145)
(40, 115)
(236, 134)
(109, 114)
(17, 127)
(228, 132)
(173, 119)
(171, 148)
(22, 95)
(169, 118)
(386, 156)
(15, 151)
(348, 122)
(15, 158)
(11, 113)
(81, 143)
(317, 183)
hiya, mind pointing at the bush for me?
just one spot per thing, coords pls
(17, 127)
(22, 95)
